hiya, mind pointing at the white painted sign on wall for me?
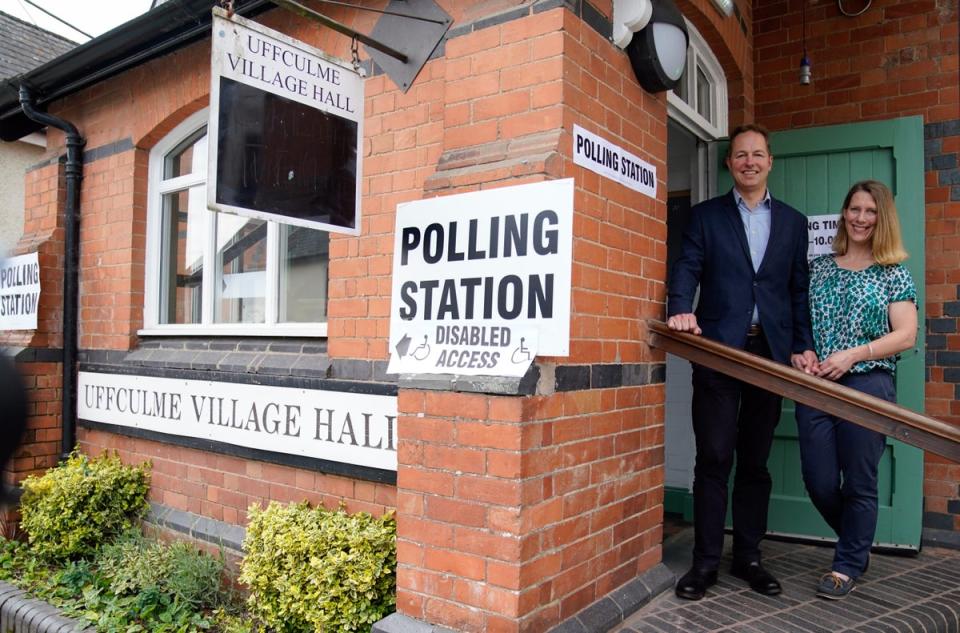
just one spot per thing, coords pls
(351, 428)
(481, 280)
(611, 161)
(19, 292)
(821, 229)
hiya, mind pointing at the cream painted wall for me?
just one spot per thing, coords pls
(15, 158)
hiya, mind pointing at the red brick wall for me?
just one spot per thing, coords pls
(41, 441)
(728, 40)
(402, 134)
(140, 107)
(897, 59)
(112, 234)
(222, 487)
(43, 234)
(514, 513)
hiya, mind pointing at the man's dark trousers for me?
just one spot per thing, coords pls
(719, 402)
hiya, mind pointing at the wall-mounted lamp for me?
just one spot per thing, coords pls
(658, 53)
(629, 16)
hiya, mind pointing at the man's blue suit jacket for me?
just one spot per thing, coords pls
(715, 256)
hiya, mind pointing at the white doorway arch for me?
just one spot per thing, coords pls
(698, 114)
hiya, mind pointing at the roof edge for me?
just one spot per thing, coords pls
(161, 30)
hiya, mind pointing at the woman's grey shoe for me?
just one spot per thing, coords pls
(833, 587)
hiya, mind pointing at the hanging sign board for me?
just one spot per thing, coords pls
(19, 292)
(481, 280)
(286, 129)
(611, 161)
(351, 428)
(821, 231)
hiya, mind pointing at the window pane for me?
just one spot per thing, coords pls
(303, 274)
(186, 158)
(184, 228)
(704, 108)
(681, 89)
(241, 288)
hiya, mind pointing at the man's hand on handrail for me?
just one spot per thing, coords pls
(686, 322)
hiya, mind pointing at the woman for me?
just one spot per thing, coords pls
(863, 310)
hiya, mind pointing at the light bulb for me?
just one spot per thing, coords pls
(804, 70)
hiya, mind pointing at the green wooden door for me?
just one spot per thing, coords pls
(812, 170)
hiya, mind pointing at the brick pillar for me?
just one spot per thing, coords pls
(460, 505)
(516, 512)
(521, 504)
(38, 352)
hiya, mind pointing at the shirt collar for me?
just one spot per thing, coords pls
(764, 202)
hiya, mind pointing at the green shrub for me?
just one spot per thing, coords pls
(137, 565)
(133, 585)
(319, 570)
(76, 506)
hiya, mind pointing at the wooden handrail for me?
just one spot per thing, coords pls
(873, 413)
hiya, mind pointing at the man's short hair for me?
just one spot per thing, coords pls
(749, 127)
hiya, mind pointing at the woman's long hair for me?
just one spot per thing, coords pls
(886, 241)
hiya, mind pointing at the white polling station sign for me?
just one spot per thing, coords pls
(603, 157)
(19, 292)
(481, 280)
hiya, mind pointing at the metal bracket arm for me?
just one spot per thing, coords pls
(309, 13)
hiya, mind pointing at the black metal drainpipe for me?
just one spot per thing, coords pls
(71, 265)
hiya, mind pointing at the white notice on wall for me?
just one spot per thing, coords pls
(821, 229)
(481, 280)
(19, 292)
(351, 428)
(603, 157)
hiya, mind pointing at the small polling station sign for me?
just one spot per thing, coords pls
(285, 129)
(19, 292)
(612, 161)
(481, 281)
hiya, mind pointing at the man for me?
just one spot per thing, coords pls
(747, 252)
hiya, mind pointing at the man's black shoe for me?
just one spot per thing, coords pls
(760, 579)
(693, 584)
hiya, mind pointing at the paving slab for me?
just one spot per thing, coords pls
(899, 594)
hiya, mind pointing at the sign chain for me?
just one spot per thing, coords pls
(355, 53)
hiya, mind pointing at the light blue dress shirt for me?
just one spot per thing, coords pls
(756, 224)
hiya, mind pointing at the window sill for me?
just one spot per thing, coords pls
(300, 330)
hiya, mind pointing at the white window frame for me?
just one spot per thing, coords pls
(156, 188)
(700, 55)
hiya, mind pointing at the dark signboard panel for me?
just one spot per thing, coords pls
(280, 156)
(285, 127)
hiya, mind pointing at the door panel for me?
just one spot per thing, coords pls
(812, 171)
